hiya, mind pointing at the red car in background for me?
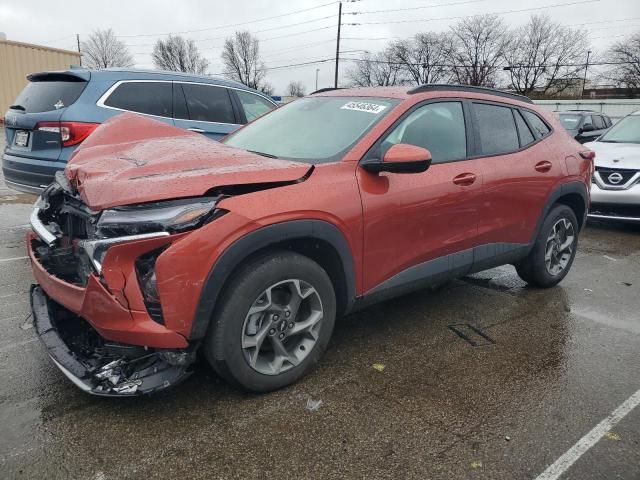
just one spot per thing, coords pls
(157, 242)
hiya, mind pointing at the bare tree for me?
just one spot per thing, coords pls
(241, 59)
(545, 55)
(627, 55)
(177, 54)
(476, 47)
(379, 70)
(267, 88)
(296, 89)
(103, 50)
(423, 58)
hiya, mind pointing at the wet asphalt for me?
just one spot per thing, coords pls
(551, 365)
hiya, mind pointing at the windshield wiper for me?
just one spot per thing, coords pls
(18, 107)
(268, 155)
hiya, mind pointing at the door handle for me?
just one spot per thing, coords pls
(543, 166)
(197, 130)
(464, 179)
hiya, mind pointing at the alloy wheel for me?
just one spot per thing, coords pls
(282, 327)
(560, 245)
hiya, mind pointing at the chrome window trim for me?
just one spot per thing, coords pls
(111, 89)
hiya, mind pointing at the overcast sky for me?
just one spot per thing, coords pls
(292, 37)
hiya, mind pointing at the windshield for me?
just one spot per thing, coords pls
(626, 130)
(312, 129)
(569, 121)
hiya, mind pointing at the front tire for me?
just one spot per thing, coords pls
(554, 250)
(274, 322)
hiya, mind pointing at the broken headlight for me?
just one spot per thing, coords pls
(138, 222)
(173, 216)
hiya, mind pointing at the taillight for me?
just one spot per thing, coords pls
(71, 133)
(591, 156)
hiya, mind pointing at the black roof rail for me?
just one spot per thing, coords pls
(328, 89)
(580, 110)
(440, 87)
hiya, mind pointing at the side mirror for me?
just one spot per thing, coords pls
(400, 158)
(587, 127)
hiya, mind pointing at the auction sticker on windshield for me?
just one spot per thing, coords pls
(364, 107)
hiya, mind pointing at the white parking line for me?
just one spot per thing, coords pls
(12, 259)
(561, 465)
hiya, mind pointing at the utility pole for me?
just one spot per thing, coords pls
(586, 66)
(78, 41)
(317, 71)
(335, 83)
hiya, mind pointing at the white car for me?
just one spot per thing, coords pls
(615, 191)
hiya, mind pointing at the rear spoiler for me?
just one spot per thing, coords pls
(60, 76)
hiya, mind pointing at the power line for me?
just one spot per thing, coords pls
(448, 65)
(198, 40)
(503, 12)
(229, 24)
(464, 2)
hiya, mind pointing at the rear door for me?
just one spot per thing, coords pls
(206, 109)
(519, 172)
(44, 99)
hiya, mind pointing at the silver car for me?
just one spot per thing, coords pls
(615, 192)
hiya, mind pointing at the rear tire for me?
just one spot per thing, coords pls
(273, 323)
(554, 250)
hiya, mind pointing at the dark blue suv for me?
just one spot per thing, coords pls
(56, 111)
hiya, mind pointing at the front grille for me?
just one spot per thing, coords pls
(620, 176)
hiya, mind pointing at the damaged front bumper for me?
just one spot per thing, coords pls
(100, 367)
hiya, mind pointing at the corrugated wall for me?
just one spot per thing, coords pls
(17, 60)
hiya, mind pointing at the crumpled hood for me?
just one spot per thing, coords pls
(132, 159)
(616, 155)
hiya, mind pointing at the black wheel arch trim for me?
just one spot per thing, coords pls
(573, 187)
(260, 239)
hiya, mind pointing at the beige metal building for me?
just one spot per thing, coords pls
(18, 59)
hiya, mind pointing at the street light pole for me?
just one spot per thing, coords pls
(317, 70)
(586, 66)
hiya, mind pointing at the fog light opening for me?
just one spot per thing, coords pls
(146, 272)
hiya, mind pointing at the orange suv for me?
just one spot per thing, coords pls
(157, 242)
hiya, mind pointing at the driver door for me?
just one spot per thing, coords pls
(420, 227)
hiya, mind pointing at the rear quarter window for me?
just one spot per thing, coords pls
(540, 128)
(45, 96)
(151, 98)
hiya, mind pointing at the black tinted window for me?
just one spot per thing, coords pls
(45, 96)
(497, 129)
(208, 104)
(598, 123)
(438, 127)
(539, 127)
(152, 98)
(607, 122)
(526, 137)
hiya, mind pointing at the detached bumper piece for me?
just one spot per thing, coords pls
(97, 366)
